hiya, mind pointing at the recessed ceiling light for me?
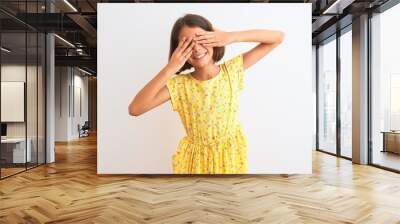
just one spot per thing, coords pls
(84, 71)
(64, 40)
(5, 50)
(70, 5)
(337, 7)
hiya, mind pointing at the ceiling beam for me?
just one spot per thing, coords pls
(85, 61)
(84, 24)
(337, 7)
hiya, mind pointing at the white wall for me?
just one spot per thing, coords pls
(68, 81)
(61, 103)
(276, 104)
(80, 83)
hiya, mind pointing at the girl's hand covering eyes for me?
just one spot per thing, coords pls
(181, 54)
(215, 38)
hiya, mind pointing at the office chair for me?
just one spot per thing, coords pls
(84, 130)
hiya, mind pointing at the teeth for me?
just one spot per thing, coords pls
(199, 56)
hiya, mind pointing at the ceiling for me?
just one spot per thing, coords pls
(76, 22)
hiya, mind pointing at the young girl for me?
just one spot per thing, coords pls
(207, 99)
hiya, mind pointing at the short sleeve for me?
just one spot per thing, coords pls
(172, 86)
(236, 70)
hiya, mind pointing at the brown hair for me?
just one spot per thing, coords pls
(192, 20)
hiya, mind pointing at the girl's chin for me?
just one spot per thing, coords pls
(199, 63)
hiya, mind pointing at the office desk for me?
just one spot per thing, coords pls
(13, 150)
(391, 141)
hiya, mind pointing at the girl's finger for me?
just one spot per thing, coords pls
(207, 41)
(187, 55)
(203, 37)
(181, 42)
(185, 44)
(200, 33)
(213, 44)
(208, 32)
(189, 48)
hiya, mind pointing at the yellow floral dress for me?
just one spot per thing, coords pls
(214, 141)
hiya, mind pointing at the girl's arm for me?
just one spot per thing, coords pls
(155, 92)
(268, 40)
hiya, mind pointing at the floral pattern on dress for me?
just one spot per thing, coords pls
(214, 141)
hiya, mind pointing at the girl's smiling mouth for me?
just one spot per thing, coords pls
(199, 56)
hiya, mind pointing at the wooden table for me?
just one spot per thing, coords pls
(391, 141)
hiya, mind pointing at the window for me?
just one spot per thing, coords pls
(346, 94)
(327, 96)
(385, 89)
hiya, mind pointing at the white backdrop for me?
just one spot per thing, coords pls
(276, 103)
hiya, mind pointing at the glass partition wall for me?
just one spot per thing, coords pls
(385, 89)
(334, 93)
(13, 87)
(22, 77)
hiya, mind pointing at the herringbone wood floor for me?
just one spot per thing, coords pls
(69, 191)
